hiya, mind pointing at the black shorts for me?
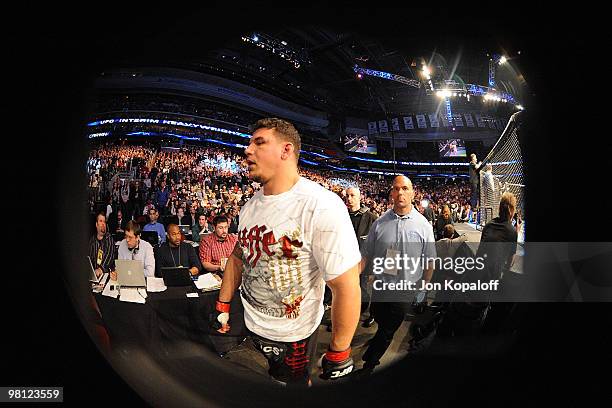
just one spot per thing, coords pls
(289, 362)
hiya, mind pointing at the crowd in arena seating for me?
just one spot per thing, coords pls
(110, 159)
(132, 179)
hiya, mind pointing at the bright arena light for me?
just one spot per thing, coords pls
(519, 107)
(502, 60)
(426, 72)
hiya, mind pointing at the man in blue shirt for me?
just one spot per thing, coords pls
(155, 226)
(401, 232)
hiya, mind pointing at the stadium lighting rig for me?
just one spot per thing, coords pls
(447, 89)
(386, 75)
(277, 47)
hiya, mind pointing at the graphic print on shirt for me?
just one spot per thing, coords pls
(273, 269)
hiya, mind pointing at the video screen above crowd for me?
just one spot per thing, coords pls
(359, 143)
(452, 148)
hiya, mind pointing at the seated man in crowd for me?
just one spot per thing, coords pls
(447, 245)
(102, 248)
(200, 228)
(175, 253)
(193, 215)
(118, 223)
(216, 248)
(180, 218)
(442, 221)
(153, 225)
(134, 248)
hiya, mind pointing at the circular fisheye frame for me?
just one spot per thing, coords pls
(250, 234)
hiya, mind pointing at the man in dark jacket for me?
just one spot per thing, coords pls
(102, 251)
(474, 170)
(428, 213)
(362, 219)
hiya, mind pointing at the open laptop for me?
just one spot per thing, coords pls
(92, 272)
(150, 236)
(176, 276)
(185, 229)
(130, 273)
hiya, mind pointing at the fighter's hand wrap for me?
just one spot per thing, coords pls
(220, 317)
(336, 364)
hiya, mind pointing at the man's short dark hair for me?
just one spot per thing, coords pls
(133, 227)
(100, 213)
(219, 218)
(284, 129)
(152, 209)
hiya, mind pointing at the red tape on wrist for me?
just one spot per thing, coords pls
(337, 356)
(223, 307)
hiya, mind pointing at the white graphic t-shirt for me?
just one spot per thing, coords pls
(291, 244)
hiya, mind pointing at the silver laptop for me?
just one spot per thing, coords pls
(92, 272)
(130, 273)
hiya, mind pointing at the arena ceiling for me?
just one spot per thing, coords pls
(328, 79)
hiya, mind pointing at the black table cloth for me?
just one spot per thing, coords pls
(170, 317)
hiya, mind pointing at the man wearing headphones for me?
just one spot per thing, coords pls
(134, 248)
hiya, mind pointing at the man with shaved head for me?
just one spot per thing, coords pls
(400, 232)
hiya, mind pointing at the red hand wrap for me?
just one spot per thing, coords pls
(338, 356)
(223, 307)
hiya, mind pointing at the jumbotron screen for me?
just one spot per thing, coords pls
(451, 148)
(359, 143)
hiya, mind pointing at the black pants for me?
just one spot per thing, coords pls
(289, 362)
(475, 196)
(389, 317)
(365, 296)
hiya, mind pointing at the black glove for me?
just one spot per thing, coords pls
(220, 316)
(336, 364)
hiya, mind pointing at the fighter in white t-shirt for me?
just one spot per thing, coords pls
(294, 236)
